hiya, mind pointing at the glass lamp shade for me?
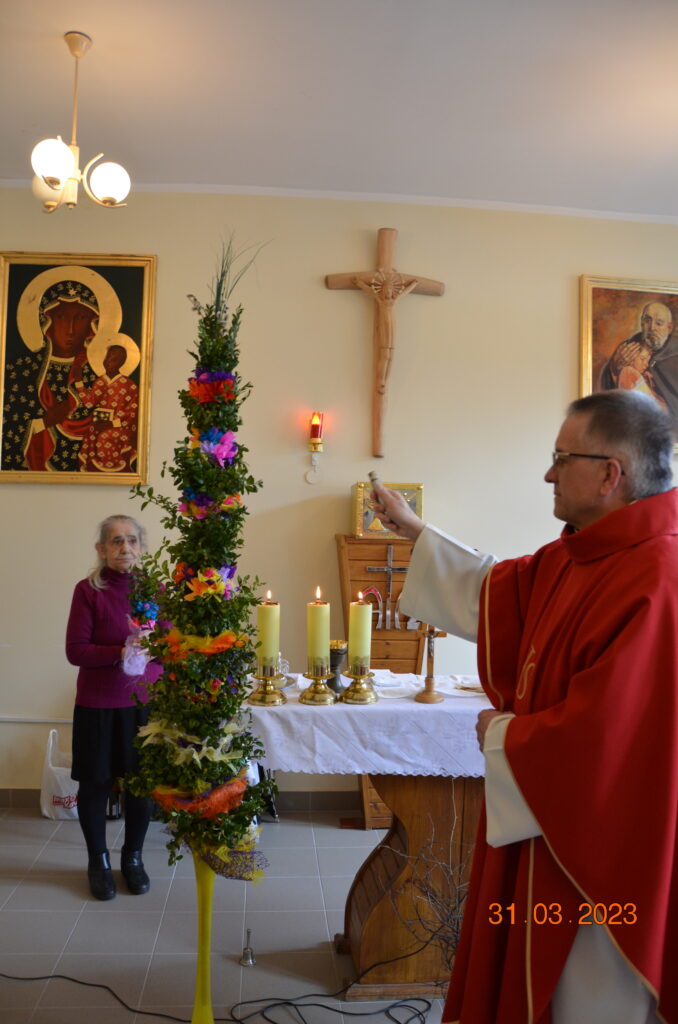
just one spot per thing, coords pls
(53, 161)
(110, 183)
(44, 193)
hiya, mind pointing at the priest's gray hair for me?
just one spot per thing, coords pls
(634, 427)
(95, 578)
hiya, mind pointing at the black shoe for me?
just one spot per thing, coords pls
(132, 868)
(101, 881)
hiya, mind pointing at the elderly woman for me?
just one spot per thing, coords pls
(106, 716)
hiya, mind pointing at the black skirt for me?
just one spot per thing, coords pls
(103, 742)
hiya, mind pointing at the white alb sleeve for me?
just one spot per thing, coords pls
(509, 819)
(442, 586)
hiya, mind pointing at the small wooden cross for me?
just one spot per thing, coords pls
(389, 569)
(385, 285)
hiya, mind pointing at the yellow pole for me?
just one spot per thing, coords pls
(204, 878)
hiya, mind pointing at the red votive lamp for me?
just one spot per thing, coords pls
(315, 439)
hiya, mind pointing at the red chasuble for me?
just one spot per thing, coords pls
(580, 642)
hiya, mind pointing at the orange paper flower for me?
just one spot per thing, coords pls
(181, 645)
(219, 801)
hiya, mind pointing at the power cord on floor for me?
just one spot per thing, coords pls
(272, 1003)
(97, 984)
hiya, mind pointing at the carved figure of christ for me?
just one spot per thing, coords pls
(385, 286)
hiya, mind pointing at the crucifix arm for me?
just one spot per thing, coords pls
(423, 286)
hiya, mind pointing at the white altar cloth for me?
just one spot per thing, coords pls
(395, 736)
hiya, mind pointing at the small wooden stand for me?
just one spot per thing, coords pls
(429, 695)
(400, 650)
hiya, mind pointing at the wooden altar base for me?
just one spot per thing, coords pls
(387, 914)
(358, 993)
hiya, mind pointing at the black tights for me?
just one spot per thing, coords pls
(92, 802)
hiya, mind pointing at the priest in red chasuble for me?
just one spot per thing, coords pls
(572, 912)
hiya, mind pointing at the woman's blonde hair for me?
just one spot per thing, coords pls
(95, 578)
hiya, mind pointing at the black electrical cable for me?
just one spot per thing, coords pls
(273, 1003)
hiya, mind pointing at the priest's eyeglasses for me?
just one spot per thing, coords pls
(559, 459)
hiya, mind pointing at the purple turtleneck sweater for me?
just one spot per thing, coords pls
(97, 629)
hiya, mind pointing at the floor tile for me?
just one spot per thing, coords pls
(178, 933)
(229, 894)
(155, 860)
(341, 860)
(16, 1016)
(145, 946)
(153, 900)
(295, 832)
(26, 831)
(114, 1015)
(8, 886)
(327, 831)
(124, 973)
(121, 931)
(36, 931)
(171, 982)
(281, 930)
(335, 890)
(290, 975)
(290, 860)
(319, 1010)
(17, 860)
(24, 994)
(284, 894)
(54, 891)
(59, 856)
(159, 1015)
(335, 923)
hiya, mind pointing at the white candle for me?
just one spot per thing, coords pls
(318, 635)
(268, 631)
(359, 635)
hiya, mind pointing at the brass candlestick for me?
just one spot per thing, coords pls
(361, 690)
(268, 693)
(429, 695)
(318, 693)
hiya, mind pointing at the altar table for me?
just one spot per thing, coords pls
(424, 762)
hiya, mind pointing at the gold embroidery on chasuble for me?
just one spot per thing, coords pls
(526, 673)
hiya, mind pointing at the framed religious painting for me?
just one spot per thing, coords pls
(365, 523)
(629, 338)
(75, 365)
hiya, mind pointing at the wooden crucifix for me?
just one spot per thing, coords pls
(385, 285)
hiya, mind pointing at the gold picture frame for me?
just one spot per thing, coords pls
(365, 523)
(75, 367)
(629, 338)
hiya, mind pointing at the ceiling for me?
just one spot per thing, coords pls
(556, 104)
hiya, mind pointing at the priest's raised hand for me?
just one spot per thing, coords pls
(394, 513)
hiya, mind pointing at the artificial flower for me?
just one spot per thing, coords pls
(219, 800)
(181, 645)
(216, 444)
(208, 583)
(210, 385)
(197, 505)
(183, 572)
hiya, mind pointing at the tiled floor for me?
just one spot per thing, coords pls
(143, 947)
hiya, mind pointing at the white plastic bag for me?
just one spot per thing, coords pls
(58, 792)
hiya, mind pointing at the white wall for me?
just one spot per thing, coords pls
(479, 383)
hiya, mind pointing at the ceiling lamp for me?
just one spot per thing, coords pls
(57, 173)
